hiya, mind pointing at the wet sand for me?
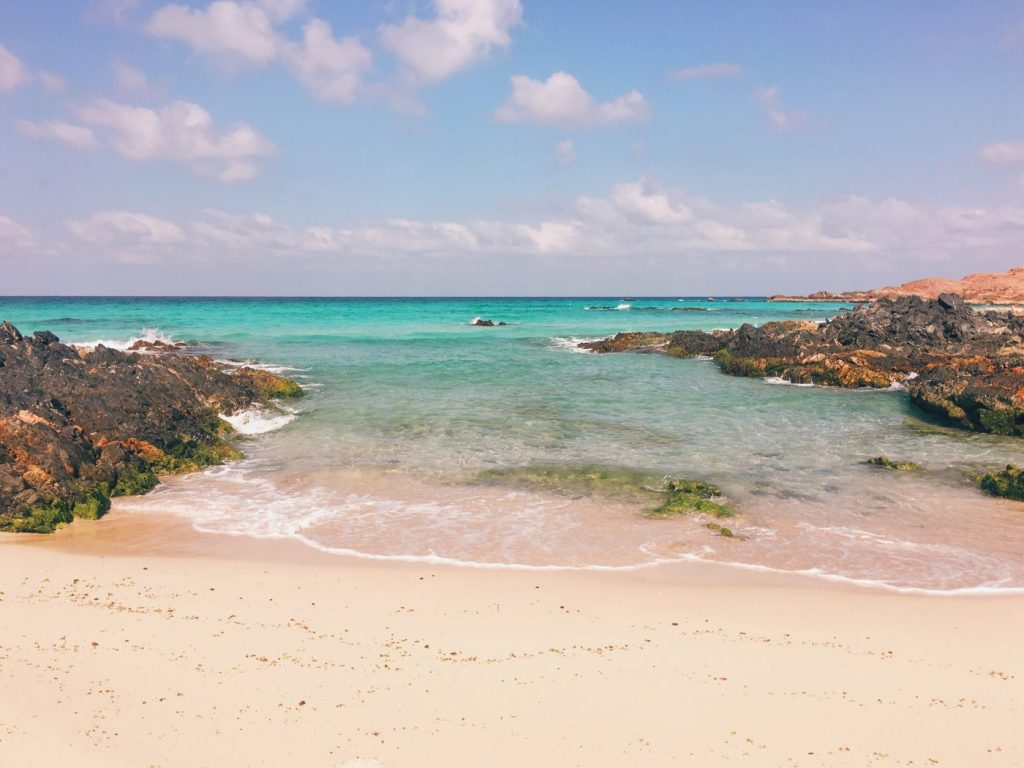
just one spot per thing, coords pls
(136, 641)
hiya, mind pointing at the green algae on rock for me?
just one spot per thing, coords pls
(79, 426)
(884, 462)
(1007, 483)
(661, 496)
(685, 496)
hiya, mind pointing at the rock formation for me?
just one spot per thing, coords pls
(963, 366)
(79, 426)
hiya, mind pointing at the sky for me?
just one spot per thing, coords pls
(507, 147)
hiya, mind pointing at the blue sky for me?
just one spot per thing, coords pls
(507, 146)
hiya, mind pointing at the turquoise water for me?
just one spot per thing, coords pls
(408, 403)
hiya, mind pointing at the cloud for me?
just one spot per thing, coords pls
(51, 81)
(718, 70)
(126, 228)
(768, 100)
(330, 69)
(12, 233)
(239, 31)
(12, 72)
(460, 33)
(133, 80)
(179, 131)
(1003, 153)
(566, 152)
(561, 101)
(57, 130)
(609, 236)
(115, 11)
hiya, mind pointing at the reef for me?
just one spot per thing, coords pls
(80, 426)
(963, 366)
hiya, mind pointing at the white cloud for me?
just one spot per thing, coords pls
(717, 70)
(12, 72)
(126, 228)
(132, 80)
(12, 233)
(768, 100)
(561, 100)
(57, 130)
(1003, 152)
(330, 69)
(460, 33)
(637, 219)
(179, 131)
(566, 152)
(235, 30)
(51, 81)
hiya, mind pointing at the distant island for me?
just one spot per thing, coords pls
(980, 288)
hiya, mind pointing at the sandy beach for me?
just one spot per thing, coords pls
(135, 641)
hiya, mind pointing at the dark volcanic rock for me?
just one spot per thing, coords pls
(964, 366)
(77, 426)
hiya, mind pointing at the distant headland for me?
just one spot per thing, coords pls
(996, 288)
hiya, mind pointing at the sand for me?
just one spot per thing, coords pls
(137, 642)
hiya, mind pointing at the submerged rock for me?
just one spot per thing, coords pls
(662, 497)
(884, 462)
(79, 426)
(1007, 483)
(963, 366)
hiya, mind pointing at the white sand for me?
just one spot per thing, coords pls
(139, 643)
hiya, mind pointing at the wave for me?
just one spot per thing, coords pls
(269, 367)
(778, 380)
(571, 344)
(150, 335)
(258, 419)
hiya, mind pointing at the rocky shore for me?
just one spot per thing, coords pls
(79, 426)
(963, 366)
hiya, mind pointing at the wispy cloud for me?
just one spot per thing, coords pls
(714, 71)
(770, 103)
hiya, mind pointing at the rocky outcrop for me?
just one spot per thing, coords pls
(486, 323)
(981, 288)
(80, 426)
(964, 366)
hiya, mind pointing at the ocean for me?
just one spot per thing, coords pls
(423, 437)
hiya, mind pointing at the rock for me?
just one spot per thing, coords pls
(80, 426)
(964, 366)
(486, 323)
(884, 462)
(1007, 483)
(144, 345)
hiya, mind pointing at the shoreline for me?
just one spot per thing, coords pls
(171, 536)
(145, 638)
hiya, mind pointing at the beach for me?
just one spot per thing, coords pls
(137, 641)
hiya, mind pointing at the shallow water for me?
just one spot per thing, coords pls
(408, 404)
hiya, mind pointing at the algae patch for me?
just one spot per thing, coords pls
(884, 462)
(1007, 483)
(661, 496)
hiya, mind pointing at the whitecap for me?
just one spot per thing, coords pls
(258, 420)
(149, 335)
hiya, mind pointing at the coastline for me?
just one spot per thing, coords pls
(143, 638)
